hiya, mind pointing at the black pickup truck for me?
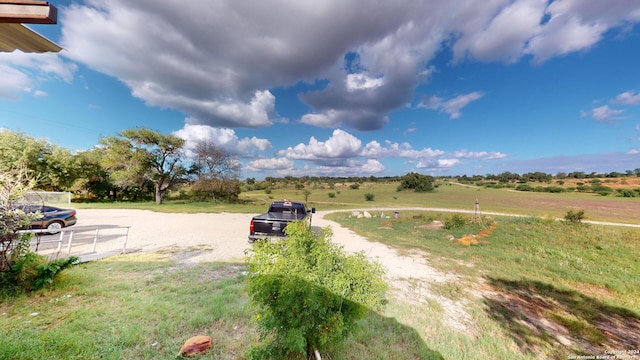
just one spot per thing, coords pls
(271, 225)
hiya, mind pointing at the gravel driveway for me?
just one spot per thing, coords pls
(220, 237)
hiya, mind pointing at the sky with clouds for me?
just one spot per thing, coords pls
(344, 87)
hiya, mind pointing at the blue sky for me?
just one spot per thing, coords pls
(344, 88)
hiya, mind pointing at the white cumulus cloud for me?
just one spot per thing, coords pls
(270, 164)
(627, 98)
(362, 82)
(604, 113)
(338, 148)
(223, 137)
(22, 72)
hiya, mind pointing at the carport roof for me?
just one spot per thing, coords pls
(15, 36)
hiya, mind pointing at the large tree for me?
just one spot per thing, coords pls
(137, 156)
(216, 171)
(93, 181)
(53, 167)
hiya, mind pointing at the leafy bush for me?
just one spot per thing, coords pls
(20, 268)
(455, 221)
(524, 187)
(493, 185)
(355, 186)
(574, 216)
(309, 292)
(601, 189)
(554, 189)
(331, 195)
(549, 189)
(628, 192)
(32, 272)
(369, 196)
(416, 182)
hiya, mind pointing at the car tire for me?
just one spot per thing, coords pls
(54, 227)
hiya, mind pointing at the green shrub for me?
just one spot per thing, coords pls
(601, 189)
(20, 268)
(416, 182)
(455, 221)
(369, 196)
(331, 195)
(554, 189)
(574, 216)
(628, 193)
(308, 292)
(355, 186)
(32, 272)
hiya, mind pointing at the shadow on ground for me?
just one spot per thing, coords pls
(543, 319)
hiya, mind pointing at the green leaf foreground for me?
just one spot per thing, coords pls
(308, 292)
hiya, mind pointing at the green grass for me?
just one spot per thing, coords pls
(583, 277)
(598, 208)
(129, 307)
(449, 196)
(146, 306)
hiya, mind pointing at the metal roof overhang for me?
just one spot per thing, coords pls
(15, 36)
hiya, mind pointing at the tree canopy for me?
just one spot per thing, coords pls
(137, 156)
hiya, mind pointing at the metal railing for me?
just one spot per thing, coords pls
(85, 243)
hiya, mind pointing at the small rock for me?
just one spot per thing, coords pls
(367, 215)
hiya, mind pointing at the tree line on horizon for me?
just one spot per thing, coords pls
(143, 164)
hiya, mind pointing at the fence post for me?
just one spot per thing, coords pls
(59, 243)
(69, 243)
(95, 240)
(126, 237)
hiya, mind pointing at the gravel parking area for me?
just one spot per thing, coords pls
(222, 237)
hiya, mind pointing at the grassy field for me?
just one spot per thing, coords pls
(450, 196)
(447, 195)
(555, 289)
(147, 306)
(534, 288)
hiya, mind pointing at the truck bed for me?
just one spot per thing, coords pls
(271, 224)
